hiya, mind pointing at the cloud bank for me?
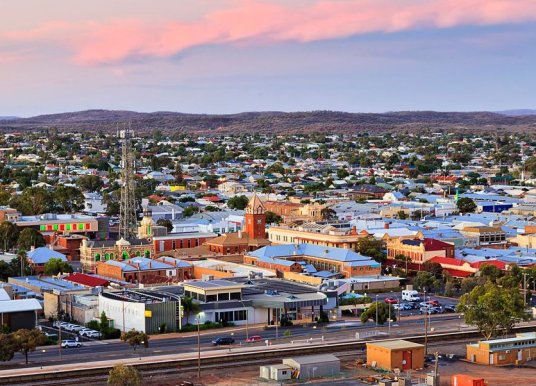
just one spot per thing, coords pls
(252, 22)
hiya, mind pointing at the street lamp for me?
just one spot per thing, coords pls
(141, 348)
(44, 351)
(198, 349)
(376, 310)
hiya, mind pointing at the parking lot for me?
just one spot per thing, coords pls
(397, 296)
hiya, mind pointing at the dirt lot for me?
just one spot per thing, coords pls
(249, 375)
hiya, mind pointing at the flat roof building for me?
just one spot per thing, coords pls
(395, 354)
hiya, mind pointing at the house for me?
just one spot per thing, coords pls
(38, 257)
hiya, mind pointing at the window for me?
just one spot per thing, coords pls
(223, 296)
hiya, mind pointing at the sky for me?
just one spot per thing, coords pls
(228, 56)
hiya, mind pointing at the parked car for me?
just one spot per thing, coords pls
(76, 328)
(433, 302)
(94, 335)
(253, 338)
(222, 341)
(391, 301)
(85, 331)
(70, 344)
(428, 310)
(450, 308)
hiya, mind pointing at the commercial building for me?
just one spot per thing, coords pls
(94, 251)
(317, 234)
(182, 240)
(313, 259)
(419, 250)
(486, 236)
(19, 313)
(141, 270)
(395, 354)
(145, 311)
(501, 352)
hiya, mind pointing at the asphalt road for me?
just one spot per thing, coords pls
(177, 343)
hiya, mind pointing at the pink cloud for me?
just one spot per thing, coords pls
(256, 21)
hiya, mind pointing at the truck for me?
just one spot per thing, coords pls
(410, 296)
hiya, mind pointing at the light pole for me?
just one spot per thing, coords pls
(141, 348)
(59, 337)
(376, 310)
(44, 351)
(425, 327)
(198, 349)
(398, 311)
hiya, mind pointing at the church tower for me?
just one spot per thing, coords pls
(255, 218)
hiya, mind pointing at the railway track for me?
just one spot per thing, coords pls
(148, 374)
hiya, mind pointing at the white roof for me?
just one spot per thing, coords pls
(4, 295)
(19, 305)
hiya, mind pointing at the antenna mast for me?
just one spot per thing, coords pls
(127, 209)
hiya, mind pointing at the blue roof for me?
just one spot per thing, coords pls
(274, 260)
(338, 254)
(42, 255)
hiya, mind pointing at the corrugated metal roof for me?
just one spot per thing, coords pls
(19, 305)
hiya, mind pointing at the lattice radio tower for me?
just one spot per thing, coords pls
(127, 209)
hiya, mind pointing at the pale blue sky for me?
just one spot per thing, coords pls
(232, 56)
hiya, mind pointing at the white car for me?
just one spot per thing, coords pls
(70, 344)
(94, 335)
(85, 331)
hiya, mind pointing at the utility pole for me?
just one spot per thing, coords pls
(525, 289)
(198, 350)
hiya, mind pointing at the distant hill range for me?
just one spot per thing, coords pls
(274, 122)
(517, 113)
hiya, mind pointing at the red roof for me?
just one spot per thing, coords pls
(479, 264)
(435, 245)
(212, 198)
(457, 272)
(87, 280)
(447, 260)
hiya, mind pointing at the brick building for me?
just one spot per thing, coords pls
(419, 250)
(253, 236)
(184, 240)
(146, 271)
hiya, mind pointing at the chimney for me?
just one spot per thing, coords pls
(386, 225)
(353, 231)
(239, 234)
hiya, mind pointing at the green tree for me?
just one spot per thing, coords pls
(7, 347)
(189, 211)
(33, 200)
(26, 341)
(30, 237)
(238, 202)
(9, 233)
(328, 214)
(56, 265)
(402, 215)
(434, 268)
(165, 223)
(135, 339)
(492, 309)
(273, 218)
(189, 307)
(382, 313)
(490, 272)
(121, 375)
(68, 199)
(425, 281)
(466, 205)
(369, 246)
(90, 183)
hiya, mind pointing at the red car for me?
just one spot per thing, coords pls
(433, 302)
(391, 301)
(253, 339)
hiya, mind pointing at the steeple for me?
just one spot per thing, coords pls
(255, 205)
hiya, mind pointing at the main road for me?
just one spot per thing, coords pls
(187, 342)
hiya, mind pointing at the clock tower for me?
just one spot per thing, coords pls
(255, 218)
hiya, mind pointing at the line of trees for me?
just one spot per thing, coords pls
(22, 341)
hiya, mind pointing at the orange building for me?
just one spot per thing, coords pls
(395, 354)
(500, 352)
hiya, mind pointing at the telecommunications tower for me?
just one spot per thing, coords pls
(127, 209)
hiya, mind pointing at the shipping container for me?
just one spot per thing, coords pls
(467, 380)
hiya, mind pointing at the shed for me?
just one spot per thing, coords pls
(312, 366)
(392, 354)
(276, 372)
